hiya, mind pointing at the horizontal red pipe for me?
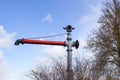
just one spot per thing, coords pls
(44, 42)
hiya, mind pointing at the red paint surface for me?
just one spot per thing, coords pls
(44, 42)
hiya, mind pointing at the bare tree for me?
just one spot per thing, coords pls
(40, 73)
(105, 41)
(82, 69)
(57, 70)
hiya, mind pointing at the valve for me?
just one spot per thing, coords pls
(76, 44)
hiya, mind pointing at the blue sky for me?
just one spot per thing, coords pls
(34, 18)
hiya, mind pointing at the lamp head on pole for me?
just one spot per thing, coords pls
(68, 28)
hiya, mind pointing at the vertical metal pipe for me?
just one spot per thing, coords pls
(69, 57)
(69, 53)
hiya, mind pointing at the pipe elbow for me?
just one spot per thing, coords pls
(17, 42)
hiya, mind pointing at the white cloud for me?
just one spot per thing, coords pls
(92, 16)
(18, 75)
(84, 19)
(54, 51)
(82, 43)
(48, 52)
(6, 39)
(39, 59)
(88, 22)
(47, 18)
(6, 71)
(3, 67)
(96, 9)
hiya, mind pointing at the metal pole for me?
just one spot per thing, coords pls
(69, 53)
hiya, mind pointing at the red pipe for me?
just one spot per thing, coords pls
(29, 41)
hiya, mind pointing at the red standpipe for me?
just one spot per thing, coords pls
(29, 41)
